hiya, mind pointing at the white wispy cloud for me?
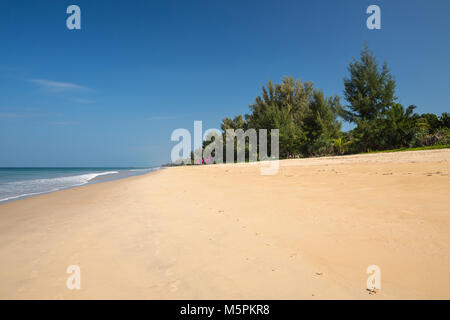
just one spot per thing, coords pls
(58, 86)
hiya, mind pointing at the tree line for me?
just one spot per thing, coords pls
(310, 123)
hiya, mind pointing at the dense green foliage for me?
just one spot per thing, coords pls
(381, 122)
(369, 91)
(308, 120)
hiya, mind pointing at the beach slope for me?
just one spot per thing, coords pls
(227, 232)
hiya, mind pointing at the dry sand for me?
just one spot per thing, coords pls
(226, 231)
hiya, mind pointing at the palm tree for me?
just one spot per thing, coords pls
(399, 124)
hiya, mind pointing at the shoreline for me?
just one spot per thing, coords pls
(226, 232)
(99, 178)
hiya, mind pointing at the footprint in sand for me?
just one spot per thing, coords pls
(372, 291)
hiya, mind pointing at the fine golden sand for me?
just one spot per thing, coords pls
(227, 232)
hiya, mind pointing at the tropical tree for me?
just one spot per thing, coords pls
(320, 124)
(283, 106)
(430, 121)
(369, 90)
(398, 127)
(445, 120)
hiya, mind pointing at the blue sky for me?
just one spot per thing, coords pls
(111, 93)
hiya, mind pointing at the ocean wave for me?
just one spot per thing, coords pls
(26, 195)
(25, 188)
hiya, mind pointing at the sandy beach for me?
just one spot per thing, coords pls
(227, 232)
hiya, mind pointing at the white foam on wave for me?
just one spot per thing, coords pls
(25, 195)
(19, 189)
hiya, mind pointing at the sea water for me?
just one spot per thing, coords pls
(17, 183)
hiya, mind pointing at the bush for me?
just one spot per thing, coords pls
(423, 138)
